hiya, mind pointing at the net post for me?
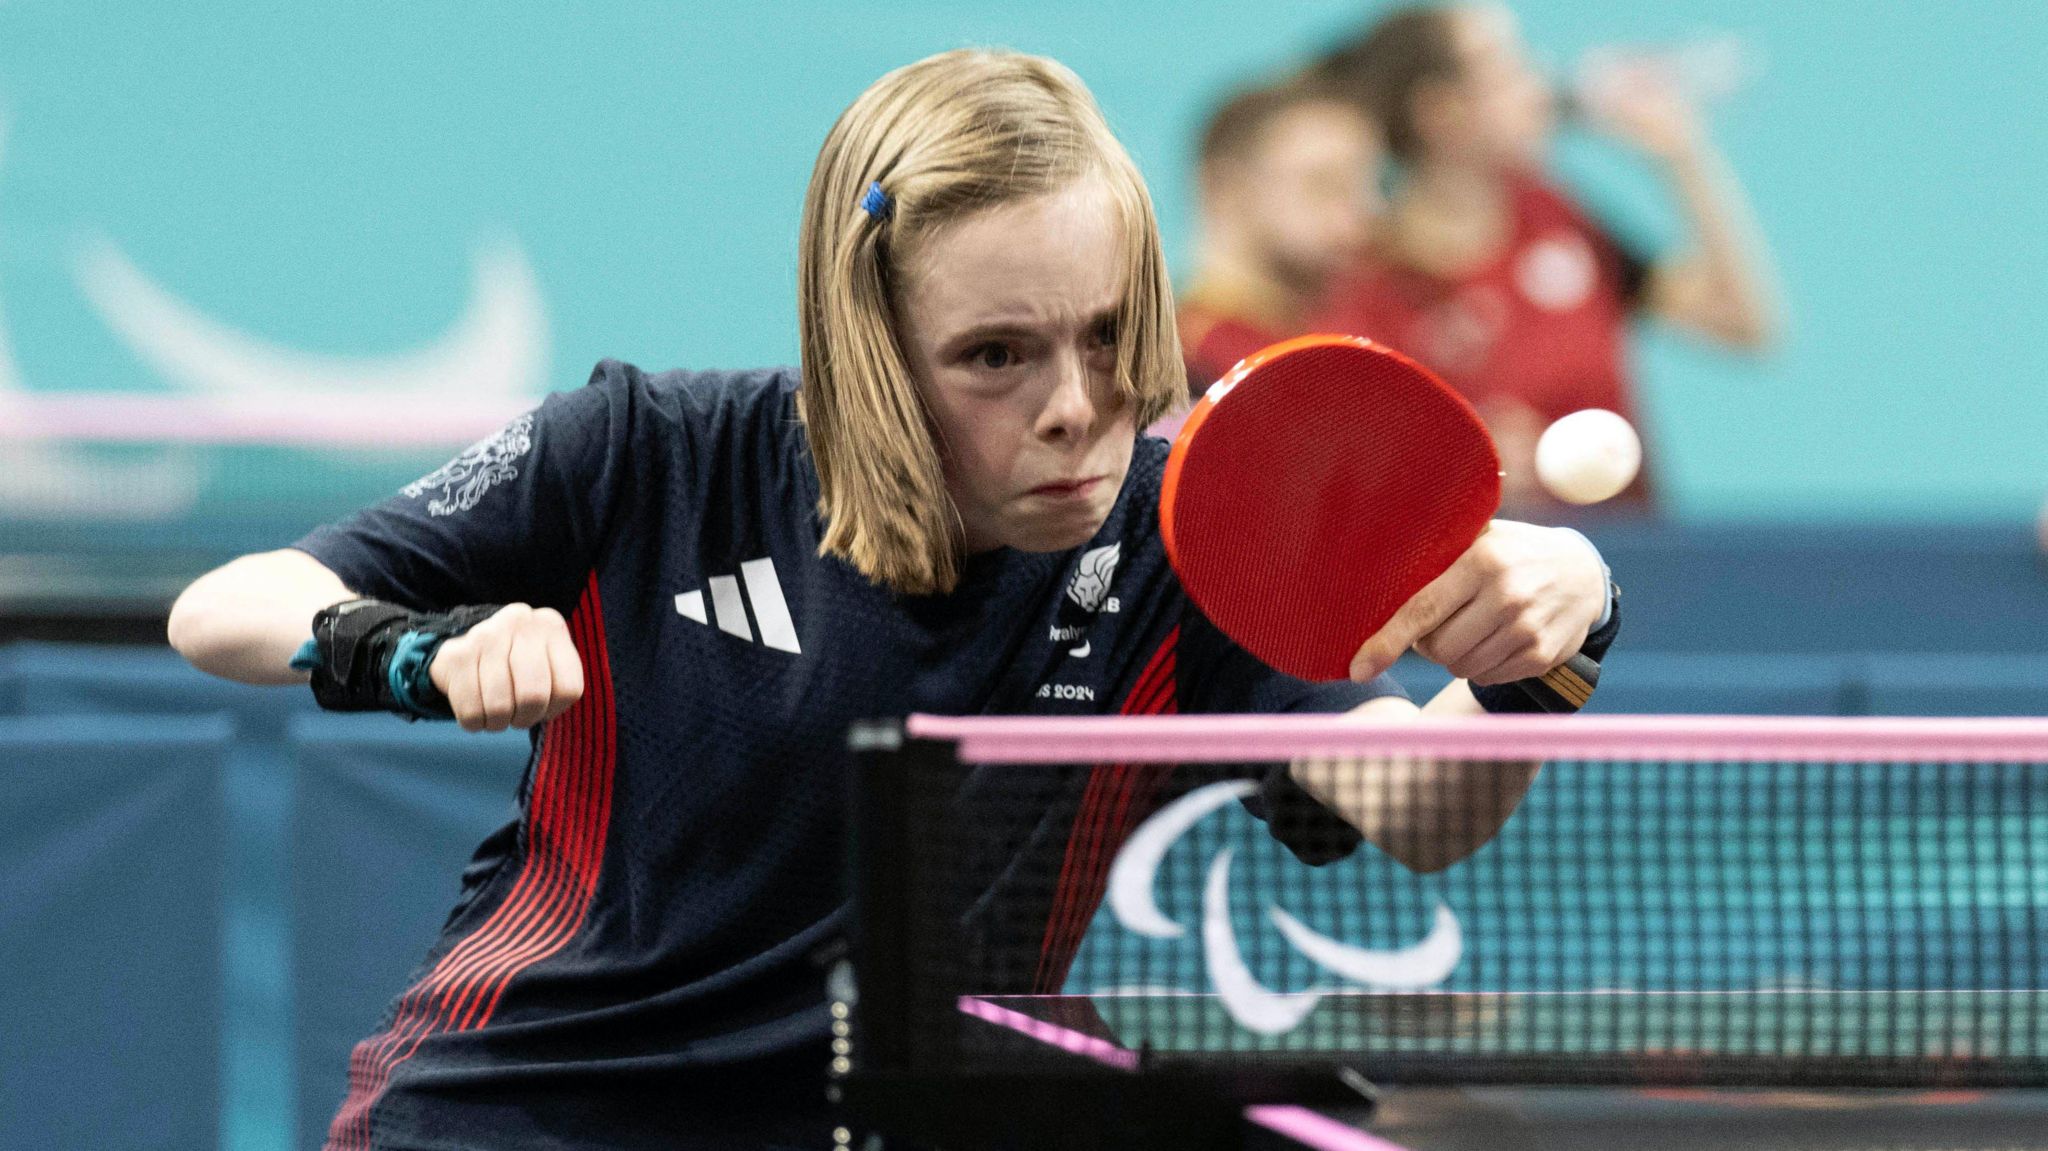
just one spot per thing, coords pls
(893, 998)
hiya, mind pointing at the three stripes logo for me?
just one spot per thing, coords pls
(728, 608)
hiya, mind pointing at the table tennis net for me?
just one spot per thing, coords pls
(1768, 902)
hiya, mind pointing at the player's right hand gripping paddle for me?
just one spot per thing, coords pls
(1316, 488)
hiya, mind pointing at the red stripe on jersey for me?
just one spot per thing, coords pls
(568, 816)
(1116, 795)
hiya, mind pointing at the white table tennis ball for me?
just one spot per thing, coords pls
(1588, 456)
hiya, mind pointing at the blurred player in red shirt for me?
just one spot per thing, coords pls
(1288, 191)
(1493, 277)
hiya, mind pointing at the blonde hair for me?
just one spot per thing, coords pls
(944, 137)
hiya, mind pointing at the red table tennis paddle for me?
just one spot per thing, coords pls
(1316, 488)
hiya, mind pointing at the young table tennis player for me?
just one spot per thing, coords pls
(689, 585)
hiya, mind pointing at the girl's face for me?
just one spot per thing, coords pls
(1008, 319)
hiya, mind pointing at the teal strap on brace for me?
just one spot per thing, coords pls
(410, 683)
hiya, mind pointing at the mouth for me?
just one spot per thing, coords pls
(1068, 489)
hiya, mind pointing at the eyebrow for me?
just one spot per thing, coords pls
(1013, 329)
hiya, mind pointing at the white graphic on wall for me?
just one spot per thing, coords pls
(1256, 1007)
(47, 481)
(233, 387)
(1249, 1002)
(494, 350)
(462, 481)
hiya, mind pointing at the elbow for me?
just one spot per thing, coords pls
(1746, 324)
(202, 624)
(1758, 334)
(1731, 315)
(1426, 851)
(1426, 856)
(186, 628)
(1431, 839)
(1431, 862)
(178, 628)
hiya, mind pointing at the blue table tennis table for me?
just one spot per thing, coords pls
(1790, 934)
(1473, 1035)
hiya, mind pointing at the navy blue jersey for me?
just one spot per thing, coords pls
(631, 963)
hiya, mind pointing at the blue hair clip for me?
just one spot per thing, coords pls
(878, 203)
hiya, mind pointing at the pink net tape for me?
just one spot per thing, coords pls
(1234, 738)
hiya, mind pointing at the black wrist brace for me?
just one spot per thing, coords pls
(368, 655)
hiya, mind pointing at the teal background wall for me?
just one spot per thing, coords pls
(324, 178)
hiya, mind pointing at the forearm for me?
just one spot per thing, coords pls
(244, 620)
(1733, 293)
(1426, 814)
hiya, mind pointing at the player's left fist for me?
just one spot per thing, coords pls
(519, 668)
(1519, 602)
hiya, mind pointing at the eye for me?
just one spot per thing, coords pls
(991, 356)
(1106, 333)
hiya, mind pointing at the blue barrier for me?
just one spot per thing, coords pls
(1665, 683)
(64, 679)
(1750, 589)
(1660, 683)
(1952, 684)
(383, 817)
(110, 932)
(61, 679)
(9, 699)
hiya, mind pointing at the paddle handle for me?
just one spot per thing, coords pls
(1564, 688)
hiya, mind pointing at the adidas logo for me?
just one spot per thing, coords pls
(729, 608)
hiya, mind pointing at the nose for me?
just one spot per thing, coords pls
(1070, 409)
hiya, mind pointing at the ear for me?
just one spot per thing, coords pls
(1218, 184)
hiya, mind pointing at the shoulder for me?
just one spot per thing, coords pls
(1541, 203)
(1134, 523)
(619, 390)
(1374, 295)
(696, 428)
(701, 413)
(690, 397)
(1148, 468)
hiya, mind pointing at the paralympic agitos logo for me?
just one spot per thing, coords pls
(1255, 1006)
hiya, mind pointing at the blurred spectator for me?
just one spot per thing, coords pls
(1486, 272)
(1287, 189)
